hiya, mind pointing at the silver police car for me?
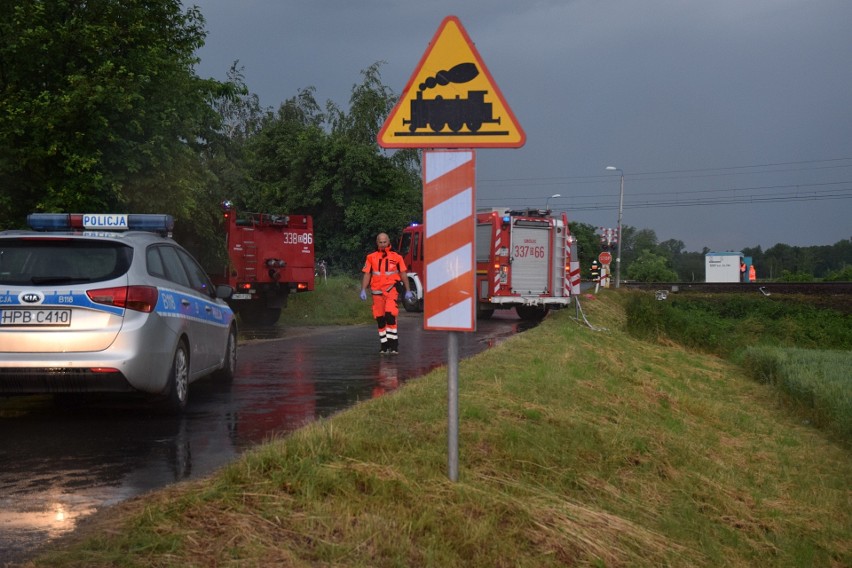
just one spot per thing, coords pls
(109, 303)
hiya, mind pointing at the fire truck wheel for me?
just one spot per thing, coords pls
(255, 316)
(531, 313)
(483, 313)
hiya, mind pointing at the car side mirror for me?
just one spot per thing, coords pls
(223, 291)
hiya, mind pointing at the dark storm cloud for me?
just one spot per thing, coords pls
(730, 119)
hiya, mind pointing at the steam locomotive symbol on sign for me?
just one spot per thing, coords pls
(455, 113)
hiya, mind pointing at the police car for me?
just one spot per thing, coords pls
(109, 303)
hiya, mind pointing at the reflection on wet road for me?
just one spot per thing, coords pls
(61, 462)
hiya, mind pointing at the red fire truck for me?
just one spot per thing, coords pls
(269, 257)
(522, 262)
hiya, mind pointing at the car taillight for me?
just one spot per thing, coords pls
(138, 298)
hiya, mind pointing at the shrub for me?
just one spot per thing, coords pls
(844, 275)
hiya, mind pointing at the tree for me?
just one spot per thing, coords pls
(637, 241)
(101, 109)
(689, 266)
(369, 105)
(671, 249)
(588, 244)
(651, 267)
(327, 164)
(224, 157)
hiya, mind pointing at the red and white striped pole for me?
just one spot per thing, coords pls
(449, 195)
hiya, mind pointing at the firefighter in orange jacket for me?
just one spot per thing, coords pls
(382, 270)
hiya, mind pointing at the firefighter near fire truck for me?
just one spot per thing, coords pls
(595, 271)
(384, 270)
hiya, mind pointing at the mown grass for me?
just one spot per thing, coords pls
(803, 350)
(333, 301)
(578, 447)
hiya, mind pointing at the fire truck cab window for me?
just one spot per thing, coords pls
(405, 244)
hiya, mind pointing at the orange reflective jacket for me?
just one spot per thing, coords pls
(385, 268)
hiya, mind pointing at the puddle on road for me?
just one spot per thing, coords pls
(279, 332)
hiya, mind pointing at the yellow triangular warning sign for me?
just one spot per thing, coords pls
(451, 101)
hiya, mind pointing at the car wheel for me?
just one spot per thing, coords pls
(412, 305)
(178, 380)
(415, 304)
(229, 363)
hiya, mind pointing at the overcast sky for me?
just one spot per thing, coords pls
(731, 119)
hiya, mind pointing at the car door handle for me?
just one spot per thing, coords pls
(208, 309)
(184, 301)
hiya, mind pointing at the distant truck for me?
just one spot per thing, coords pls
(522, 262)
(270, 256)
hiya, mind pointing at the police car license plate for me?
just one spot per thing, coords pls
(22, 318)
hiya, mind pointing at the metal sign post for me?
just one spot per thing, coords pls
(453, 405)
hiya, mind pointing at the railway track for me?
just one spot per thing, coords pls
(828, 295)
(766, 288)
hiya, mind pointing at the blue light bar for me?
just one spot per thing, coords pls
(49, 221)
(151, 222)
(154, 223)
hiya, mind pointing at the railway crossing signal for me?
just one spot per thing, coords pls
(451, 100)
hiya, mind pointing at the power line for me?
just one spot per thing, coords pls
(800, 192)
(604, 177)
(769, 165)
(716, 202)
(699, 191)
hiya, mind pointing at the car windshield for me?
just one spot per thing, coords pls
(28, 261)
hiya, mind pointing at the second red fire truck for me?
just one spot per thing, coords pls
(269, 257)
(523, 261)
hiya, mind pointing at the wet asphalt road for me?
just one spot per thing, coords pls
(60, 463)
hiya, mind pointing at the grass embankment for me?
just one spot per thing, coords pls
(577, 447)
(334, 301)
(801, 347)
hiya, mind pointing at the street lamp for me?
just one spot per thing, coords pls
(620, 210)
(547, 203)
